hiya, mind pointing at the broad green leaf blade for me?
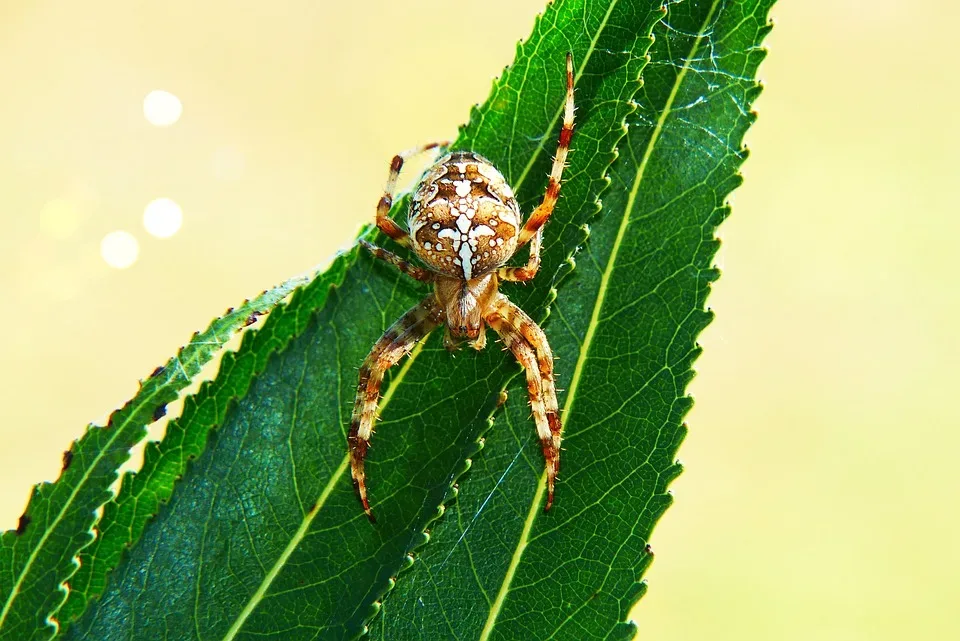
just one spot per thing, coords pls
(624, 330)
(141, 494)
(38, 557)
(264, 537)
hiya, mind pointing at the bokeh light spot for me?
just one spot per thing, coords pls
(162, 218)
(162, 108)
(119, 249)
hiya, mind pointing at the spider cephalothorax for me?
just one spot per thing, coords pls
(464, 225)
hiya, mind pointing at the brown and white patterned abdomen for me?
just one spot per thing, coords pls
(464, 220)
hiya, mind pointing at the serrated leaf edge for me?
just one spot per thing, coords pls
(177, 378)
(346, 258)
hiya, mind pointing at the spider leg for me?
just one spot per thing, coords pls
(542, 213)
(528, 271)
(396, 342)
(451, 343)
(411, 270)
(384, 222)
(529, 345)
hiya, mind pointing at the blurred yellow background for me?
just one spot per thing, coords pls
(820, 500)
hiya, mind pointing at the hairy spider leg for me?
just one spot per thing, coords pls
(411, 270)
(395, 343)
(529, 345)
(528, 271)
(384, 222)
(542, 213)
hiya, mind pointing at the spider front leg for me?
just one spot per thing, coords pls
(529, 345)
(411, 270)
(528, 271)
(384, 222)
(396, 342)
(542, 213)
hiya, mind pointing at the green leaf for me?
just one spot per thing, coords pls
(40, 555)
(264, 536)
(141, 494)
(624, 330)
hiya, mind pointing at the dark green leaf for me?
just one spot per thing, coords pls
(264, 537)
(140, 494)
(624, 330)
(38, 557)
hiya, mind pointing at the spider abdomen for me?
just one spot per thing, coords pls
(464, 219)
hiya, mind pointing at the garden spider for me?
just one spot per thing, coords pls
(464, 225)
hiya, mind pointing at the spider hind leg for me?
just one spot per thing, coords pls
(526, 340)
(395, 343)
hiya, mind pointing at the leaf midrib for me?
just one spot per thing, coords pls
(312, 514)
(287, 552)
(534, 511)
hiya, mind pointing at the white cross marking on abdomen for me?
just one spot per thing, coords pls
(466, 241)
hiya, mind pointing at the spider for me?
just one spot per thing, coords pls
(464, 225)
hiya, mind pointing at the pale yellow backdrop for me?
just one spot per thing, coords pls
(820, 500)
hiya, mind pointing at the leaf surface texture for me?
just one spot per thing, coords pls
(38, 557)
(264, 537)
(623, 329)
